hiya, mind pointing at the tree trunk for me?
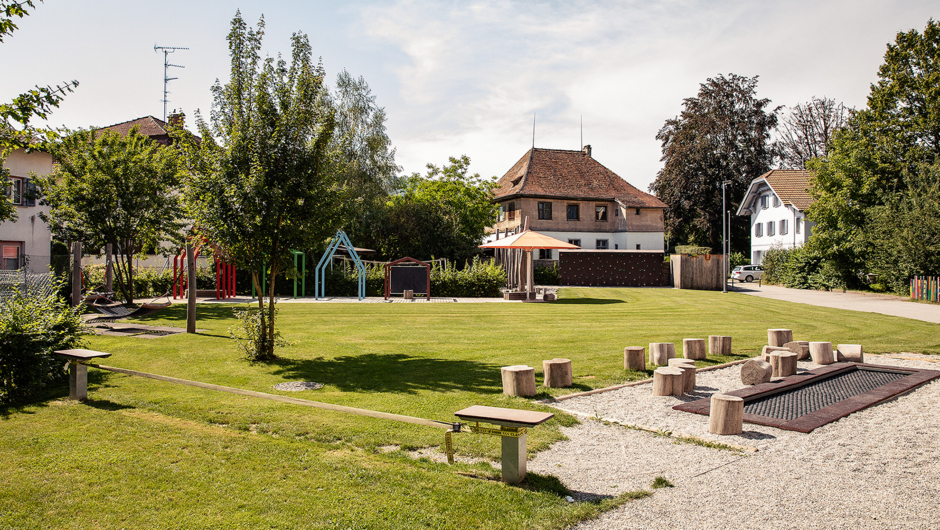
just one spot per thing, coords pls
(779, 337)
(756, 371)
(661, 352)
(634, 358)
(518, 380)
(726, 415)
(719, 345)
(821, 352)
(557, 373)
(667, 381)
(693, 349)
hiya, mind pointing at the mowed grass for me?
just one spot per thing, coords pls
(144, 453)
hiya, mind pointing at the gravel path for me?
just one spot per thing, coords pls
(877, 468)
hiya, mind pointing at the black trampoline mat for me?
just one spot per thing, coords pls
(812, 399)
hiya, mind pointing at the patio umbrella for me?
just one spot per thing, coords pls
(528, 240)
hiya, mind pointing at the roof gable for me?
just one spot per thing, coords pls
(569, 174)
(790, 185)
(148, 126)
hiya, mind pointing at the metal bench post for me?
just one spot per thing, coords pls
(512, 429)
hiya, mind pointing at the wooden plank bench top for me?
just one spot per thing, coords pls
(80, 354)
(503, 417)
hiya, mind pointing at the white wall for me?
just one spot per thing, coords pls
(774, 214)
(29, 229)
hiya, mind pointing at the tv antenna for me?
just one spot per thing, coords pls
(167, 50)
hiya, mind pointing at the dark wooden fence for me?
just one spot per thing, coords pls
(612, 268)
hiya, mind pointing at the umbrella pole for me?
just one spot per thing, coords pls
(530, 274)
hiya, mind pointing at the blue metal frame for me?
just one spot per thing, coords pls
(319, 274)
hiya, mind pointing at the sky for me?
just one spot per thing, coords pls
(470, 77)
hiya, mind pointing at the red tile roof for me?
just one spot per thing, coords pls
(559, 173)
(149, 126)
(791, 185)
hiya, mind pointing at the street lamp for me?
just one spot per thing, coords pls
(724, 238)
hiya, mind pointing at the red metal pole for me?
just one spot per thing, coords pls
(218, 278)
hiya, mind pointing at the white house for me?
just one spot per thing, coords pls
(777, 203)
(27, 241)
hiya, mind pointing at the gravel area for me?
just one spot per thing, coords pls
(877, 468)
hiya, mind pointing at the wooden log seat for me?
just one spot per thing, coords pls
(688, 372)
(783, 363)
(518, 380)
(661, 352)
(726, 414)
(557, 373)
(719, 345)
(821, 352)
(850, 353)
(634, 358)
(779, 337)
(765, 352)
(800, 348)
(667, 381)
(756, 371)
(693, 349)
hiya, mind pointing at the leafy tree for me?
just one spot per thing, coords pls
(442, 214)
(15, 128)
(108, 188)
(723, 133)
(361, 153)
(807, 130)
(260, 182)
(879, 161)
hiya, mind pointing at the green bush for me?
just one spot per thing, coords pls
(692, 249)
(547, 275)
(31, 328)
(738, 258)
(800, 268)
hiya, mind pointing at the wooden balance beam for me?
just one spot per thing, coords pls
(78, 372)
(513, 424)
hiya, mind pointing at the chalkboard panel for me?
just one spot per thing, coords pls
(409, 279)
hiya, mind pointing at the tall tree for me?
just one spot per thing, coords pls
(722, 134)
(260, 183)
(15, 117)
(108, 188)
(442, 214)
(877, 162)
(361, 154)
(807, 130)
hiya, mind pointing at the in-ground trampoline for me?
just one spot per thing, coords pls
(812, 399)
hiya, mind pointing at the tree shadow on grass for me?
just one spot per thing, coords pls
(395, 373)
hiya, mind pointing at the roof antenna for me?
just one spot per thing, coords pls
(167, 50)
(582, 131)
(533, 130)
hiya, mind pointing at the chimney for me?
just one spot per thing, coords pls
(178, 120)
(586, 150)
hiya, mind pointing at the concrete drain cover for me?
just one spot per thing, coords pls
(806, 401)
(297, 386)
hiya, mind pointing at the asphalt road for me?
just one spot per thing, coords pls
(853, 301)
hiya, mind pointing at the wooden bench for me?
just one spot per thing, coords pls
(78, 372)
(513, 424)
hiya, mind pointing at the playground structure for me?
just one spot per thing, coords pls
(407, 274)
(224, 275)
(319, 278)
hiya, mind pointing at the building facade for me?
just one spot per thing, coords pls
(26, 242)
(777, 202)
(570, 196)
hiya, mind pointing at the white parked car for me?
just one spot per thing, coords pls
(747, 273)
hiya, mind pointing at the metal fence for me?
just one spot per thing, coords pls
(28, 283)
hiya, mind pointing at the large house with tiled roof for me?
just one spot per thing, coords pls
(154, 128)
(571, 196)
(777, 202)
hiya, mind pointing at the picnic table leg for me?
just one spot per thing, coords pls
(78, 381)
(514, 456)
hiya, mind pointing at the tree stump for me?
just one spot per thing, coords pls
(548, 297)
(800, 348)
(688, 372)
(557, 373)
(408, 294)
(634, 358)
(851, 353)
(821, 352)
(726, 415)
(767, 350)
(779, 337)
(719, 345)
(518, 380)
(783, 363)
(667, 381)
(693, 349)
(661, 352)
(756, 371)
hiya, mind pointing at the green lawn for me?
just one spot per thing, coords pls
(143, 453)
